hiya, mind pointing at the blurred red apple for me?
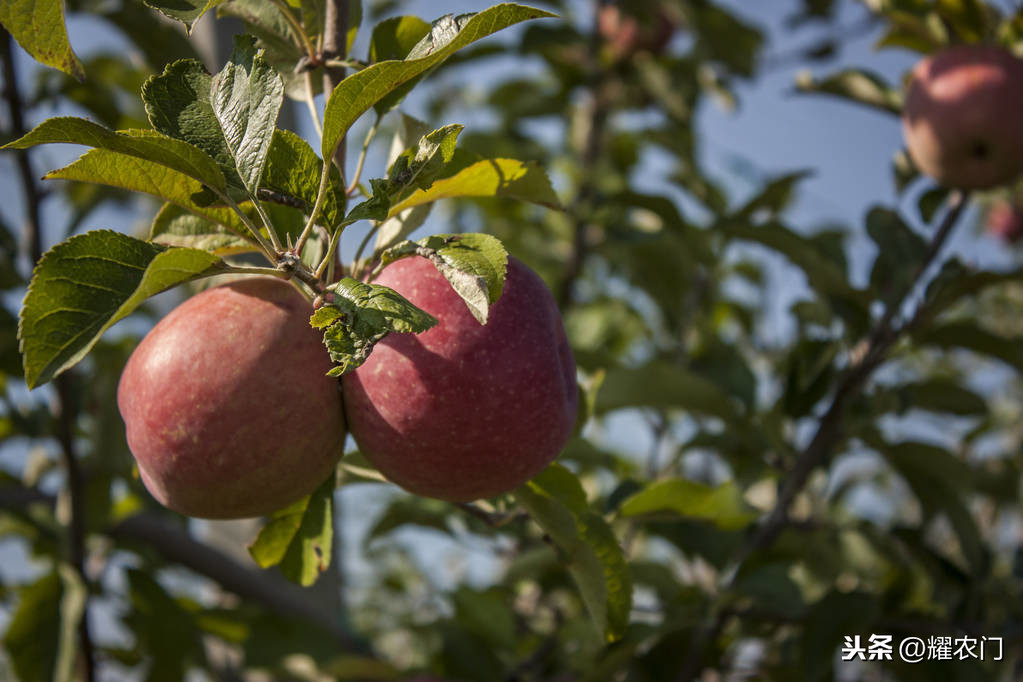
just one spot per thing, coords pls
(1004, 221)
(464, 410)
(627, 34)
(962, 117)
(227, 408)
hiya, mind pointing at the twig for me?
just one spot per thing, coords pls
(310, 100)
(599, 83)
(370, 134)
(67, 416)
(335, 44)
(829, 429)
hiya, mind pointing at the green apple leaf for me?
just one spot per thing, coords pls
(230, 116)
(84, 285)
(144, 144)
(663, 385)
(104, 167)
(174, 226)
(41, 641)
(186, 11)
(475, 264)
(397, 227)
(246, 97)
(394, 38)
(419, 165)
(374, 208)
(363, 89)
(38, 26)
(722, 505)
(299, 537)
(587, 545)
(357, 315)
(522, 180)
(856, 85)
(971, 337)
(411, 511)
(293, 170)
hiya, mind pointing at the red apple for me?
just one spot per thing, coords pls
(962, 117)
(626, 34)
(1005, 221)
(227, 408)
(464, 410)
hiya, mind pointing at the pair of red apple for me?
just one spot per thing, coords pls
(229, 413)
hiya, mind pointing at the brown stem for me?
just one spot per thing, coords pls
(830, 428)
(66, 415)
(335, 44)
(600, 84)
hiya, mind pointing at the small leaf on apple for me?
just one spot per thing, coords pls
(361, 314)
(474, 264)
(299, 537)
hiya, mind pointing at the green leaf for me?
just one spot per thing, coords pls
(174, 226)
(394, 38)
(144, 144)
(669, 499)
(522, 180)
(836, 615)
(138, 175)
(41, 639)
(856, 85)
(38, 26)
(84, 285)
(299, 537)
(360, 91)
(956, 281)
(186, 11)
(294, 170)
(556, 501)
(665, 385)
(395, 228)
(230, 116)
(968, 336)
(246, 97)
(415, 167)
(935, 395)
(775, 196)
(357, 315)
(474, 264)
(939, 480)
(415, 511)
(419, 165)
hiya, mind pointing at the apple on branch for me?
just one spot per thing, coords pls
(961, 120)
(227, 406)
(465, 411)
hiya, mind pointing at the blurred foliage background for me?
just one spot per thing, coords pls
(778, 478)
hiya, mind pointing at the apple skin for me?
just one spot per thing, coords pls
(227, 406)
(465, 411)
(961, 120)
(1004, 221)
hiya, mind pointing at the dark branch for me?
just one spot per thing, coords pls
(67, 415)
(829, 432)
